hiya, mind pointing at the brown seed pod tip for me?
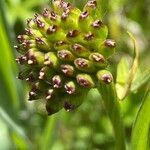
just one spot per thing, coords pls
(83, 15)
(63, 54)
(96, 57)
(57, 82)
(53, 15)
(107, 78)
(81, 62)
(46, 13)
(77, 47)
(26, 44)
(29, 20)
(68, 106)
(70, 88)
(82, 81)
(52, 29)
(89, 36)
(92, 4)
(65, 14)
(110, 43)
(40, 24)
(68, 70)
(97, 24)
(60, 43)
(20, 38)
(41, 75)
(16, 47)
(31, 60)
(49, 94)
(21, 59)
(73, 33)
(39, 41)
(28, 32)
(32, 95)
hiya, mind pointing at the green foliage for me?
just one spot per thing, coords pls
(25, 125)
(141, 127)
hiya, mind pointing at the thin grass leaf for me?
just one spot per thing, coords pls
(8, 67)
(48, 133)
(140, 134)
(13, 126)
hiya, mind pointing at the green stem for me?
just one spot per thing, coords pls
(109, 97)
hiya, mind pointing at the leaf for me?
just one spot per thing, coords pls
(48, 133)
(124, 87)
(122, 71)
(143, 78)
(141, 127)
(5, 140)
(122, 74)
(13, 126)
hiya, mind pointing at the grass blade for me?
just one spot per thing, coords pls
(141, 127)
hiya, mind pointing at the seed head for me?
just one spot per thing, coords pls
(61, 52)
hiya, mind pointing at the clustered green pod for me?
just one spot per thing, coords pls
(61, 52)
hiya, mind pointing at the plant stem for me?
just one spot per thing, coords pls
(109, 97)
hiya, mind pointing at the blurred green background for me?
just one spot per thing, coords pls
(25, 125)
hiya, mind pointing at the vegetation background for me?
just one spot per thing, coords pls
(25, 125)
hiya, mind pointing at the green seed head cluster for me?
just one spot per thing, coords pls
(61, 52)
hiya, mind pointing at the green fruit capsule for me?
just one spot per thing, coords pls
(74, 100)
(37, 91)
(22, 38)
(26, 45)
(91, 41)
(67, 70)
(51, 60)
(70, 87)
(85, 21)
(84, 65)
(41, 25)
(80, 50)
(54, 102)
(85, 81)
(104, 76)
(107, 49)
(93, 8)
(35, 57)
(69, 19)
(65, 55)
(51, 17)
(21, 59)
(33, 33)
(43, 44)
(54, 33)
(60, 45)
(60, 6)
(46, 74)
(99, 30)
(98, 60)
(74, 36)
(31, 23)
(57, 81)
